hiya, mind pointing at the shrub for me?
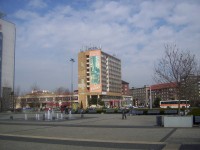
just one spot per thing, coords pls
(194, 112)
(116, 110)
(162, 111)
(104, 110)
(99, 111)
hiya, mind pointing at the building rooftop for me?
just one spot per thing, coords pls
(162, 86)
(124, 82)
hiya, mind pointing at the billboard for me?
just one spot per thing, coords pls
(95, 71)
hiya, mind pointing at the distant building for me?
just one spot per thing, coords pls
(45, 99)
(191, 89)
(127, 99)
(165, 91)
(7, 64)
(125, 88)
(99, 78)
(140, 96)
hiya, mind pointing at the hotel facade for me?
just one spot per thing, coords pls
(7, 64)
(99, 77)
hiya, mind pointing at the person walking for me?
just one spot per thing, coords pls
(81, 113)
(123, 113)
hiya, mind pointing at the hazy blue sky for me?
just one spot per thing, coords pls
(50, 32)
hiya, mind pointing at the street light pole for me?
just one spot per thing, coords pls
(13, 100)
(150, 98)
(72, 60)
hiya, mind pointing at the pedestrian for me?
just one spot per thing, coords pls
(123, 113)
(66, 110)
(81, 113)
(130, 110)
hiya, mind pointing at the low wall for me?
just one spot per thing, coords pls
(178, 121)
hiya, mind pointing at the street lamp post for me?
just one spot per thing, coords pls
(150, 98)
(13, 100)
(72, 60)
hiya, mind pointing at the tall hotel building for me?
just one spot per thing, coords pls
(99, 77)
(7, 63)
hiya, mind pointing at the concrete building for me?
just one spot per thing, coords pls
(191, 89)
(140, 96)
(165, 91)
(7, 64)
(45, 100)
(125, 88)
(127, 99)
(99, 78)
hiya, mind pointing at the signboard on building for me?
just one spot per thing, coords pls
(95, 71)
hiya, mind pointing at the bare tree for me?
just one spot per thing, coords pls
(35, 94)
(177, 67)
(62, 90)
(35, 87)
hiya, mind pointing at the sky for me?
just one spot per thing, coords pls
(51, 32)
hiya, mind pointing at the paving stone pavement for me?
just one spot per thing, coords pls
(94, 131)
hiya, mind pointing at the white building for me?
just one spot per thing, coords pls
(7, 63)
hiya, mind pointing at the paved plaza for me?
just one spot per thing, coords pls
(92, 132)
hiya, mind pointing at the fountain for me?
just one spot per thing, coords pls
(61, 116)
(37, 116)
(70, 114)
(26, 118)
(48, 114)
